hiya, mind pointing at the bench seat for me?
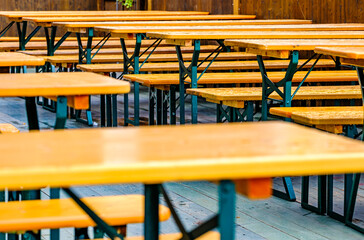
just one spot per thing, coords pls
(34, 45)
(8, 128)
(235, 97)
(61, 213)
(215, 66)
(119, 50)
(107, 58)
(342, 115)
(177, 236)
(244, 77)
(330, 119)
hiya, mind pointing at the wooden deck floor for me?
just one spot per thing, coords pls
(269, 219)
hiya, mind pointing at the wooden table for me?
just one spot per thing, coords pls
(15, 59)
(71, 89)
(19, 18)
(349, 55)
(187, 38)
(286, 49)
(237, 156)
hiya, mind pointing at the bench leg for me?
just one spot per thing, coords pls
(108, 111)
(152, 101)
(289, 194)
(61, 113)
(159, 106)
(172, 105)
(351, 204)
(321, 204)
(151, 221)
(114, 110)
(102, 110)
(165, 103)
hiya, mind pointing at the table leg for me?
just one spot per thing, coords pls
(151, 221)
(61, 113)
(227, 210)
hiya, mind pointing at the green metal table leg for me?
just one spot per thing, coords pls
(61, 113)
(151, 221)
(151, 105)
(102, 110)
(321, 203)
(172, 105)
(227, 210)
(114, 110)
(136, 104)
(108, 111)
(159, 106)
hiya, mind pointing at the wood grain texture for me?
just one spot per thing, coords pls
(255, 94)
(244, 77)
(60, 213)
(59, 84)
(13, 59)
(215, 66)
(108, 156)
(322, 115)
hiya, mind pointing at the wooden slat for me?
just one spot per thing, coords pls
(59, 84)
(255, 94)
(244, 77)
(61, 213)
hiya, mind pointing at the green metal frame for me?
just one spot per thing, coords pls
(191, 72)
(22, 34)
(133, 62)
(356, 177)
(224, 220)
(6, 29)
(231, 114)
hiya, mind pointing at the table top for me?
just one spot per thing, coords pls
(14, 59)
(59, 84)
(184, 23)
(287, 111)
(294, 44)
(258, 35)
(21, 14)
(49, 20)
(180, 153)
(344, 52)
(232, 28)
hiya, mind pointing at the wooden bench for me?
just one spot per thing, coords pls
(42, 39)
(72, 59)
(215, 66)
(163, 81)
(160, 50)
(176, 236)
(235, 97)
(330, 119)
(8, 128)
(13, 46)
(31, 215)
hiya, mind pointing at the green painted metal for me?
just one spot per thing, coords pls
(109, 231)
(289, 193)
(321, 190)
(226, 219)
(152, 102)
(159, 106)
(172, 105)
(61, 112)
(151, 219)
(6, 29)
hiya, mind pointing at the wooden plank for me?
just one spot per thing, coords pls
(14, 59)
(255, 188)
(258, 35)
(245, 158)
(59, 84)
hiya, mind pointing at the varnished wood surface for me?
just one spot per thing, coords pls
(13, 59)
(23, 14)
(258, 35)
(255, 93)
(111, 58)
(183, 23)
(294, 44)
(176, 236)
(198, 28)
(344, 52)
(61, 213)
(216, 65)
(48, 20)
(59, 84)
(322, 115)
(244, 77)
(13, 46)
(158, 50)
(114, 156)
